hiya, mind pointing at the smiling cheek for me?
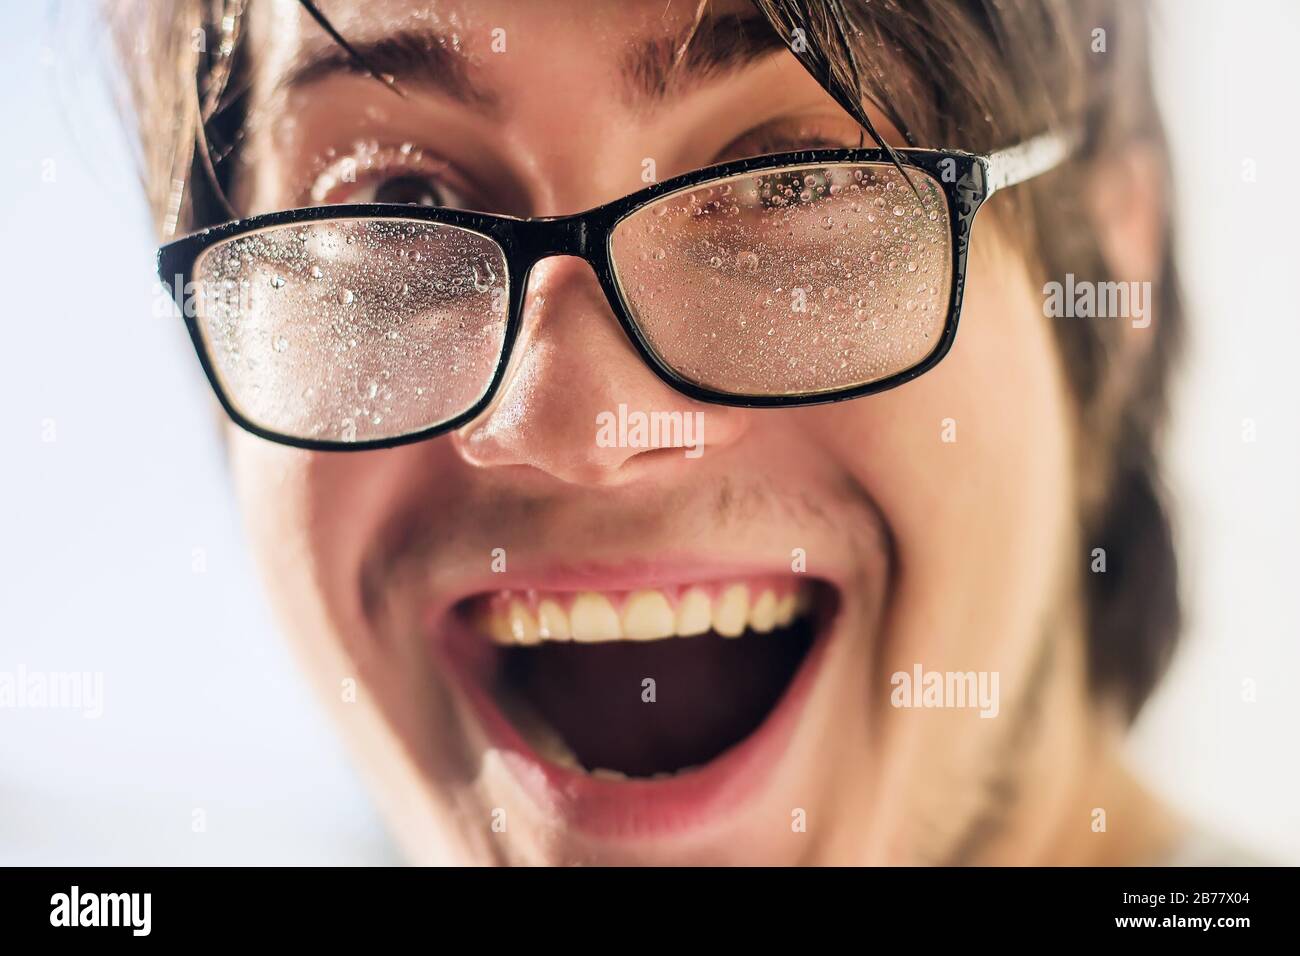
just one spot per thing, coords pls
(313, 519)
(971, 468)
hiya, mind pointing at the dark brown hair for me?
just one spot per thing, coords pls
(972, 74)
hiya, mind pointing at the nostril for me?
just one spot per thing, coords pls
(645, 432)
(655, 456)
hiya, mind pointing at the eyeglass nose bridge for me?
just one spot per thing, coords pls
(539, 239)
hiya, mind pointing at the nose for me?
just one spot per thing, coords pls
(579, 403)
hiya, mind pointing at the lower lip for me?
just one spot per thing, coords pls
(608, 809)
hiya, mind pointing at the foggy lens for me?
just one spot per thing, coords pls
(353, 329)
(791, 281)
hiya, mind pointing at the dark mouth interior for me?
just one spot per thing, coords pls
(710, 693)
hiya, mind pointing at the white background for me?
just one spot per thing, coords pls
(203, 710)
(1228, 74)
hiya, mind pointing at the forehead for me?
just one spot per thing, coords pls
(584, 19)
(530, 33)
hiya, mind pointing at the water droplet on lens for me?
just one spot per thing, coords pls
(281, 344)
(316, 273)
(277, 282)
(484, 282)
(345, 297)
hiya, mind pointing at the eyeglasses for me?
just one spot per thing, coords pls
(789, 279)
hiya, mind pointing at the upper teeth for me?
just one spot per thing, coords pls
(645, 615)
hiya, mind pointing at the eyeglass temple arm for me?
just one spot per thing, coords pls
(1033, 157)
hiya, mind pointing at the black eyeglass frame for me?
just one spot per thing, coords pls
(966, 179)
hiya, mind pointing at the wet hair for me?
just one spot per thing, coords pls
(970, 74)
(982, 74)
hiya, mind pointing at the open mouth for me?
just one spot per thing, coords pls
(644, 684)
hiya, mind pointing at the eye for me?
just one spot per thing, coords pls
(399, 175)
(788, 137)
(409, 190)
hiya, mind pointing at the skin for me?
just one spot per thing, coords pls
(959, 555)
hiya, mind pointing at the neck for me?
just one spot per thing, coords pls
(1093, 810)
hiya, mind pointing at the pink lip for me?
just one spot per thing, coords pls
(614, 576)
(632, 809)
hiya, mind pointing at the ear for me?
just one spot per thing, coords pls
(1127, 199)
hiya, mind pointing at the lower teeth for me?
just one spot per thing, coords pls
(537, 732)
(550, 746)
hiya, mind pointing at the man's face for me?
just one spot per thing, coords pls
(429, 587)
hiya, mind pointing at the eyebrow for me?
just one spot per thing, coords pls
(708, 50)
(651, 70)
(416, 58)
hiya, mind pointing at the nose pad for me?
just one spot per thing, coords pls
(577, 400)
